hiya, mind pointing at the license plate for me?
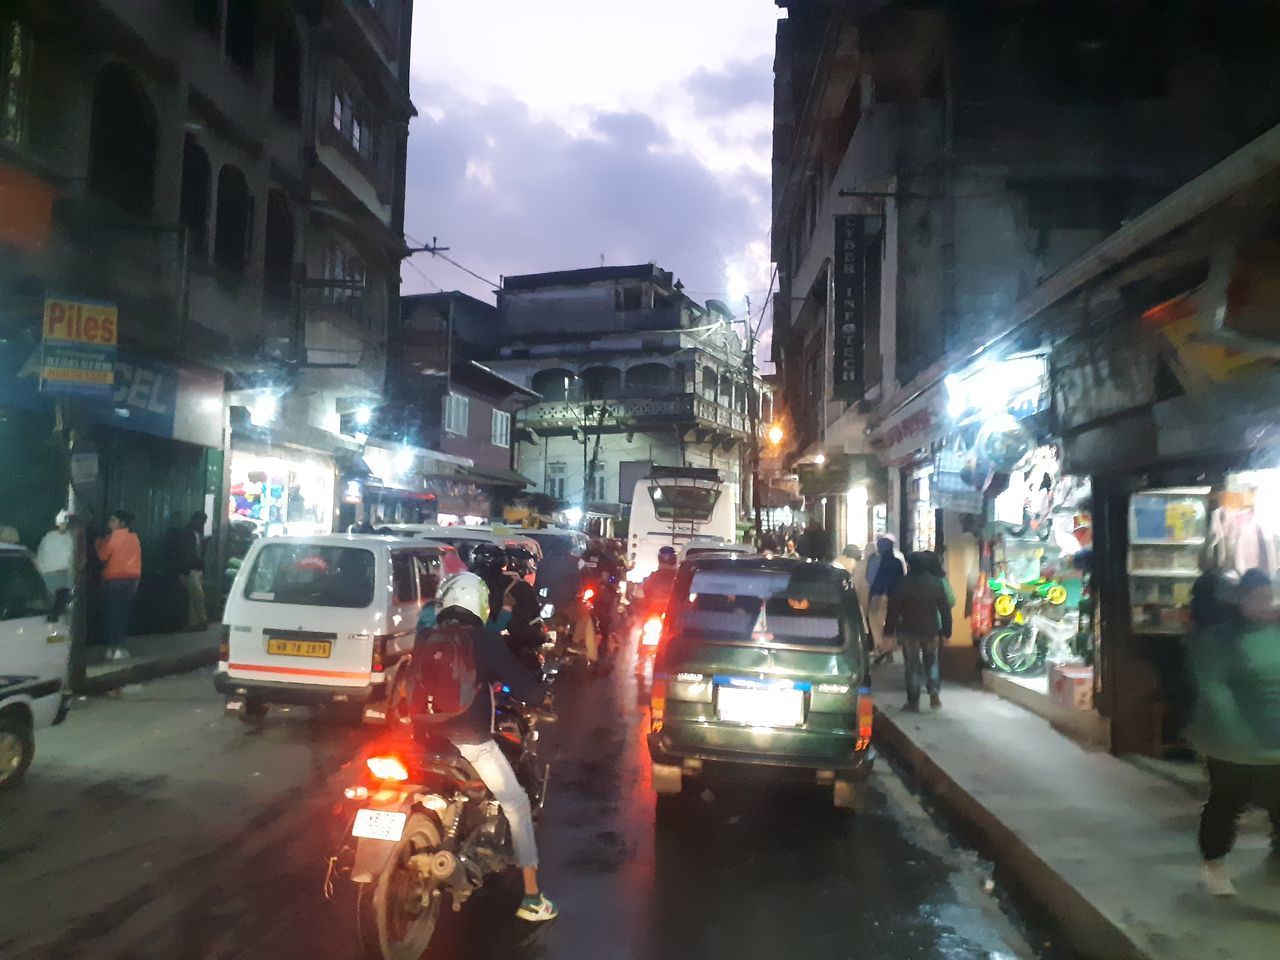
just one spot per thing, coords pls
(378, 824)
(299, 648)
(760, 708)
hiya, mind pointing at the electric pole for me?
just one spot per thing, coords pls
(753, 423)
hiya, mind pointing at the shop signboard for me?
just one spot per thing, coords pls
(848, 275)
(78, 348)
(1102, 377)
(147, 396)
(915, 426)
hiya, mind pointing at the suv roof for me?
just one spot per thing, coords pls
(749, 561)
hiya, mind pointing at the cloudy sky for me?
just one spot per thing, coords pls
(555, 132)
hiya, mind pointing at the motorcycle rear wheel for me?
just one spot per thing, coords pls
(391, 920)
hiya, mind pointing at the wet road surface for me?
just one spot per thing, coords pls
(151, 826)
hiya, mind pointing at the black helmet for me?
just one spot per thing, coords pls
(667, 557)
(487, 559)
(521, 562)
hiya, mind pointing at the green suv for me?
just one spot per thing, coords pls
(762, 662)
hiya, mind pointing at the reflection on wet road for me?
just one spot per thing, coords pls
(752, 871)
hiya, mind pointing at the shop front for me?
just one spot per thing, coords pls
(281, 491)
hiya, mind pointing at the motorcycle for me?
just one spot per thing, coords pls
(421, 829)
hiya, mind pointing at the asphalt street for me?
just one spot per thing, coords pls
(152, 826)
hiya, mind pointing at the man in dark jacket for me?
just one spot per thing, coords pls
(919, 616)
(815, 544)
(465, 602)
(189, 560)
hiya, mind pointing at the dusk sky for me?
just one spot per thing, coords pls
(552, 133)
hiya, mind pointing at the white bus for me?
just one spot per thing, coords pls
(674, 506)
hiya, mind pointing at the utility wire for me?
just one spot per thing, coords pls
(437, 253)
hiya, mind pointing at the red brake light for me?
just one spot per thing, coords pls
(651, 632)
(657, 703)
(387, 768)
(866, 710)
(587, 595)
(379, 646)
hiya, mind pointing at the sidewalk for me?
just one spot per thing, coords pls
(150, 656)
(1105, 847)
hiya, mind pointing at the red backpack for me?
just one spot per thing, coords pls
(444, 680)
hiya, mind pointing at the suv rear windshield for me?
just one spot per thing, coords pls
(22, 589)
(770, 607)
(313, 576)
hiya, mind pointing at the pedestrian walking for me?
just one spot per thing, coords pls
(121, 556)
(1236, 724)
(53, 556)
(849, 558)
(189, 560)
(889, 567)
(920, 617)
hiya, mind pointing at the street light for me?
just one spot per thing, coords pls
(775, 433)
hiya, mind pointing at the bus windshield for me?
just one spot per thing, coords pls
(683, 502)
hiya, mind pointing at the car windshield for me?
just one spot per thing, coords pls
(314, 576)
(683, 501)
(772, 607)
(22, 590)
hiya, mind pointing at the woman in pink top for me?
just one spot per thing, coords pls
(121, 556)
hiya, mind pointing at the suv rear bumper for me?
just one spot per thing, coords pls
(301, 694)
(665, 749)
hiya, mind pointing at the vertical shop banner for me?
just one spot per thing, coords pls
(850, 307)
(78, 348)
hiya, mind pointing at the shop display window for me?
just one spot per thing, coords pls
(1168, 529)
(281, 496)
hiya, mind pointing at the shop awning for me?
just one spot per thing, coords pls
(495, 476)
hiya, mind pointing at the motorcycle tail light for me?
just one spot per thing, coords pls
(651, 632)
(866, 710)
(588, 595)
(387, 768)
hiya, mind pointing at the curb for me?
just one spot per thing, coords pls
(1077, 920)
(146, 668)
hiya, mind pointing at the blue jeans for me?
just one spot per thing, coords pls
(493, 767)
(117, 601)
(920, 664)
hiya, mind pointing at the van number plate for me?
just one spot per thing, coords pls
(299, 648)
(760, 708)
(378, 824)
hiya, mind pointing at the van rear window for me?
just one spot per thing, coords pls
(775, 608)
(313, 576)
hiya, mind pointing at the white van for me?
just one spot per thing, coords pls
(34, 650)
(323, 620)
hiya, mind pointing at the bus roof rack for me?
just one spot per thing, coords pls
(685, 473)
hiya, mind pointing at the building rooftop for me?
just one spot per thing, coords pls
(589, 275)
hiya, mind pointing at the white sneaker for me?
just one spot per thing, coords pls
(1216, 882)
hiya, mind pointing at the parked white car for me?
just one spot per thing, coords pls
(34, 650)
(324, 620)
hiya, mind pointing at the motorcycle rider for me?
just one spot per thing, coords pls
(465, 603)
(520, 599)
(657, 586)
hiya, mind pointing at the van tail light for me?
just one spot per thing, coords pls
(224, 645)
(387, 767)
(657, 702)
(651, 632)
(379, 667)
(866, 710)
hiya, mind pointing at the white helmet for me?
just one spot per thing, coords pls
(468, 591)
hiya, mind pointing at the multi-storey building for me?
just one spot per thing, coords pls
(935, 162)
(631, 372)
(225, 178)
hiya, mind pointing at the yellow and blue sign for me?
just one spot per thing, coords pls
(78, 352)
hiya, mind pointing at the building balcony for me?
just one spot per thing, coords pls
(628, 414)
